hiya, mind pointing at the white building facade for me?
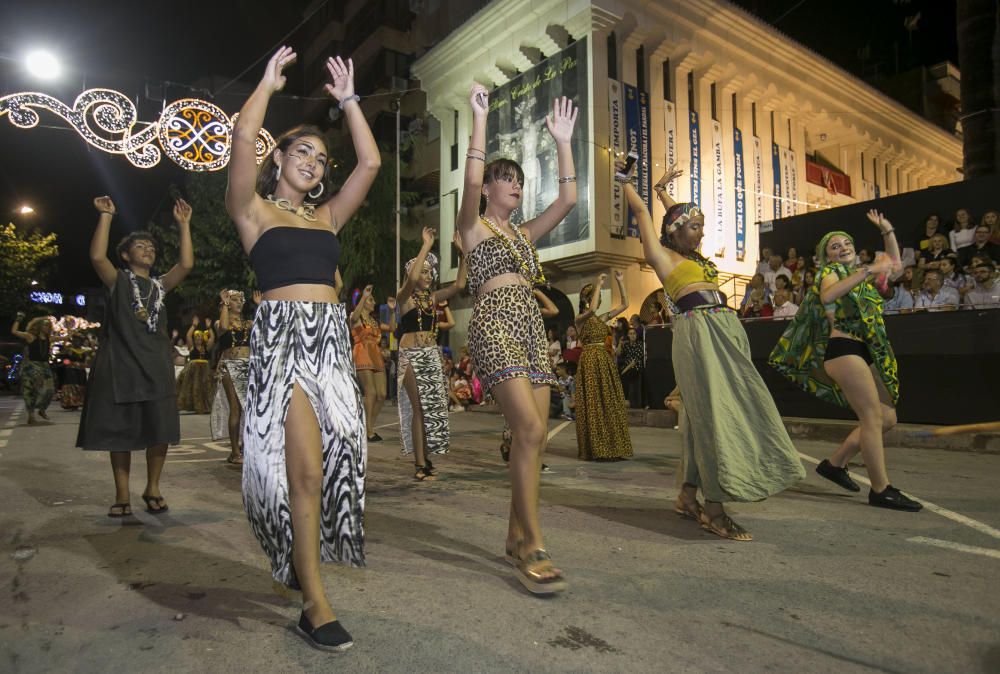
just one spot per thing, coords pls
(762, 126)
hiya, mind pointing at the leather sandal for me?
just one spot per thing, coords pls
(124, 510)
(158, 501)
(423, 475)
(510, 556)
(529, 571)
(690, 510)
(724, 526)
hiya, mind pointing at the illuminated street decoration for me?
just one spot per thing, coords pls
(194, 134)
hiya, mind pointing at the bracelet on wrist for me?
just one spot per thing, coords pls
(472, 156)
(889, 231)
(108, 212)
(352, 97)
(567, 179)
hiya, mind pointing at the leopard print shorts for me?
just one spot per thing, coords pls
(507, 338)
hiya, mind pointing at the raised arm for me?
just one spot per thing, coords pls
(209, 335)
(360, 307)
(106, 271)
(449, 320)
(560, 125)
(656, 255)
(623, 303)
(391, 327)
(475, 160)
(593, 300)
(546, 307)
(15, 329)
(832, 289)
(889, 237)
(241, 195)
(410, 282)
(185, 260)
(661, 186)
(189, 336)
(460, 280)
(224, 311)
(350, 197)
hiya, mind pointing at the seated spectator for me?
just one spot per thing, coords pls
(459, 391)
(567, 388)
(783, 305)
(952, 276)
(782, 282)
(992, 220)
(765, 259)
(935, 252)
(757, 307)
(864, 256)
(808, 278)
(792, 260)
(661, 315)
(573, 348)
(934, 296)
(931, 226)
(963, 230)
(902, 296)
(756, 283)
(980, 246)
(986, 292)
(775, 268)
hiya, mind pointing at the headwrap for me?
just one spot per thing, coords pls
(203, 333)
(821, 246)
(678, 216)
(430, 260)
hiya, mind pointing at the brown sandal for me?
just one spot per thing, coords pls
(423, 475)
(689, 510)
(529, 571)
(724, 526)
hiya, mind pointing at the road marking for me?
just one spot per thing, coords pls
(192, 439)
(216, 460)
(3, 443)
(5, 433)
(10, 424)
(933, 507)
(556, 430)
(394, 423)
(959, 547)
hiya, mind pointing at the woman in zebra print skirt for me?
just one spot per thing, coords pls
(423, 396)
(304, 433)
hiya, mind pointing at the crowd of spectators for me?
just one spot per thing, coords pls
(947, 267)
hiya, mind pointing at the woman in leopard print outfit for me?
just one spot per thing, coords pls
(506, 334)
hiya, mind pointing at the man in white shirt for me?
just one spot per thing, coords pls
(765, 258)
(934, 296)
(783, 305)
(774, 269)
(986, 292)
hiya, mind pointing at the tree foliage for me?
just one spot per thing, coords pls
(22, 261)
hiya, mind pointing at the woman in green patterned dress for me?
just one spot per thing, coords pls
(836, 348)
(601, 415)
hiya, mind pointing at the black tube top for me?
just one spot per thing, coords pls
(285, 256)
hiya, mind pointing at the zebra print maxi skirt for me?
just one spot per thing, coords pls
(304, 343)
(429, 373)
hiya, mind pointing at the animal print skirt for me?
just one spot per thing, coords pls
(507, 338)
(427, 370)
(304, 343)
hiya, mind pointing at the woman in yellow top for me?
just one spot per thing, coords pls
(735, 447)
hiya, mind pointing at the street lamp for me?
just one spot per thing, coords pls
(43, 64)
(26, 210)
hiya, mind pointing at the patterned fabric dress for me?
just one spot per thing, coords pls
(800, 351)
(601, 417)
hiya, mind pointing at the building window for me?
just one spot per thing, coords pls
(736, 119)
(753, 117)
(454, 142)
(612, 56)
(691, 96)
(666, 81)
(863, 166)
(715, 111)
(640, 68)
(773, 139)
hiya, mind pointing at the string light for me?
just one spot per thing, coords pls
(195, 134)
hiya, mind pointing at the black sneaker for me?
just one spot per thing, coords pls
(894, 499)
(545, 468)
(836, 474)
(375, 438)
(329, 637)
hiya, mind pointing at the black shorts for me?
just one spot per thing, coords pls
(842, 346)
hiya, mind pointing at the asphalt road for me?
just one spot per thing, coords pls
(829, 585)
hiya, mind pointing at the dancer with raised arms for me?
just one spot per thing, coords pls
(506, 333)
(304, 436)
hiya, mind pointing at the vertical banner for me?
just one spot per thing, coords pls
(617, 150)
(718, 192)
(739, 192)
(670, 133)
(786, 184)
(695, 159)
(645, 162)
(758, 180)
(776, 178)
(632, 133)
(794, 167)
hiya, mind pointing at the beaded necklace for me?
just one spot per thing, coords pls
(537, 277)
(306, 211)
(423, 300)
(146, 309)
(238, 328)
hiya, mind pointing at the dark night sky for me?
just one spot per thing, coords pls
(122, 45)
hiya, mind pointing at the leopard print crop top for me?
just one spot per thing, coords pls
(490, 258)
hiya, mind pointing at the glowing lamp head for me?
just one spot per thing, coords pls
(26, 210)
(43, 64)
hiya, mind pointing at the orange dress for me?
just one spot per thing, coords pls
(367, 354)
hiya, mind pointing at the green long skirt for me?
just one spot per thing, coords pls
(735, 447)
